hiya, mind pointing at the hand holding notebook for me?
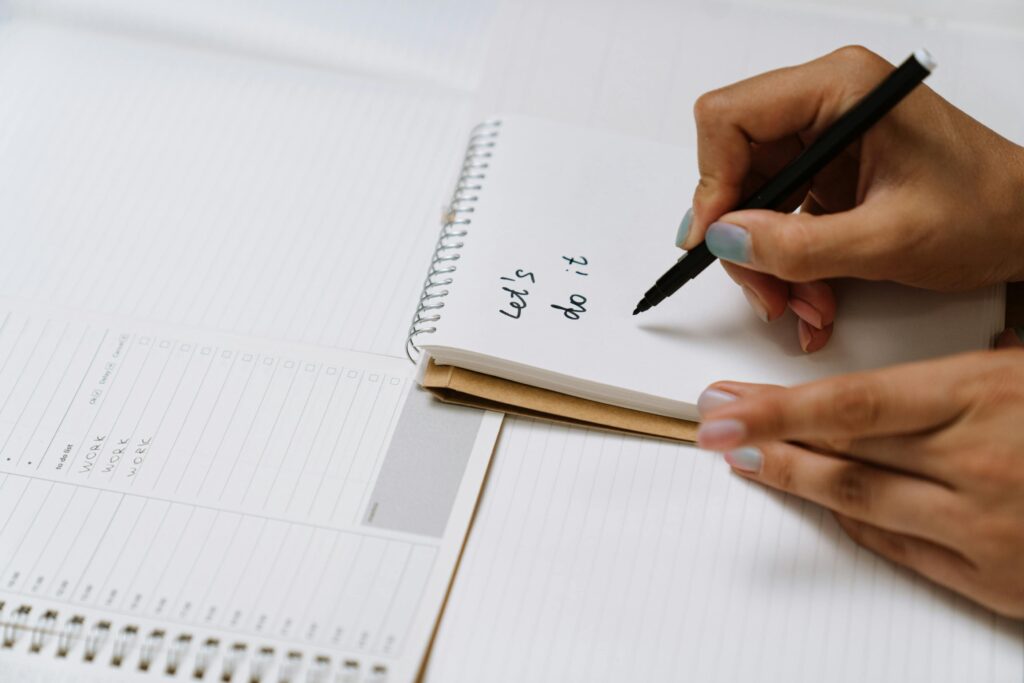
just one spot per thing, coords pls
(555, 229)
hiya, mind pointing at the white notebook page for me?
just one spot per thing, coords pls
(215, 486)
(568, 233)
(595, 557)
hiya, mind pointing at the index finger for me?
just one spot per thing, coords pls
(905, 399)
(794, 100)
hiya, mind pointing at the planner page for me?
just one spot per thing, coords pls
(172, 499)
(568, 233)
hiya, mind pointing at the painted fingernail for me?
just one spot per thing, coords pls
(729, 242)
(719, 435)
(712, 398)
(747, 459)
(803, 331)
(755, 303)
(807, 313)
(684, 228)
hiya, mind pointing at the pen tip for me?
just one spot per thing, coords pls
(641, 307)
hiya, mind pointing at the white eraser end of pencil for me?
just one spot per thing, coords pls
(925, 59)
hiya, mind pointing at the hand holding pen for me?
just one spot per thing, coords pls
(921, 463)
(927, 196)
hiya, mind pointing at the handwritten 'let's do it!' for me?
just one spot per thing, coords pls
(515, 296)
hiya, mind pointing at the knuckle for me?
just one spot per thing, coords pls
(1002, 384)
(856, 405)
(709, 106)
(852, 489)
(885, 543)
(840, 444)
(784, 471)
(991, 469)
(793, 251)
(857, 56)
(996, 538)
(772, 412)
(947, 511)
(893, 546)
(993, 377)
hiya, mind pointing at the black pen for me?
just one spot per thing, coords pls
(829, 144)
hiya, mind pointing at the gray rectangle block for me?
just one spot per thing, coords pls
(424, 465)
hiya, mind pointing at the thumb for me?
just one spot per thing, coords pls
(800, 247)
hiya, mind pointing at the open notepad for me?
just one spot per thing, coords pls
(556, 231)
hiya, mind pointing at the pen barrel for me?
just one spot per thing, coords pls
(688, 267)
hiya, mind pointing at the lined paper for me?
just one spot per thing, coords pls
(442, 44)
(637, 68)
(596, 557)
(218, 191)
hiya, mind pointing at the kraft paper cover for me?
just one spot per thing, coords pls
(466, 387)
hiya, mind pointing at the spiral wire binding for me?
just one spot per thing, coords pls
(130, 648)
(454, 228)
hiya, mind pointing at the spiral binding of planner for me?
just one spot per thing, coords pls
(454, 229)
(129, 648)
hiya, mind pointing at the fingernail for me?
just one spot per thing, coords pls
(712, 398)
(1019, 331)
(747, 459)
(806, 312)
(803, 331)
(684, 228)
(729, 242)
(719, 435)
(755, 303)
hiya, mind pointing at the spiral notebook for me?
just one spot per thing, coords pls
(554, 232)
(176, 504)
